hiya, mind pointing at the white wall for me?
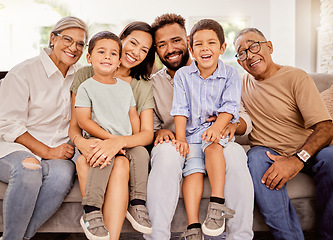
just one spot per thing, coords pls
(19, 34)
(104, 11)
(282, 31)
(307, 22)
(287, 23)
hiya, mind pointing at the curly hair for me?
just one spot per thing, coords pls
(168, 18)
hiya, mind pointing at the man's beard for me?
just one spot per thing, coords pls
(175, 66)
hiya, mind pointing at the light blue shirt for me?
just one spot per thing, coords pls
(198, 99)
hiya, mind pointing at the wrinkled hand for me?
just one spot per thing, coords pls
(164, 135)
(230, 130)
(282, 170)
(182, 147)
(212, 134)
(64, 151)
(104, 151)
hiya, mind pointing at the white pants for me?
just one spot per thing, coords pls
(164, 186)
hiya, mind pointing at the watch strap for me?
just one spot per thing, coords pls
(302, 155)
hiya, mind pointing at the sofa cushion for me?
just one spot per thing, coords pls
(293, 188)
(323, 81)
(301, 186)
(327, 97)
(74, 195)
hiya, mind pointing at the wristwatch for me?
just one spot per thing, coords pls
(302, 155)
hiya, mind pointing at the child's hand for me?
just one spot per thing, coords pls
(122, 151)
(212, 134)
(182, 147)
(230, 130)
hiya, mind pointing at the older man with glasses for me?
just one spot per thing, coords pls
(292, 131)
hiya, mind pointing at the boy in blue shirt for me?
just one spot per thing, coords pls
(206, 88)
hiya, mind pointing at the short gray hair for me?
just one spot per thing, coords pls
(246, 30)
(69, 22)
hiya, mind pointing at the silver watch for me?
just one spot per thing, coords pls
(302, 155)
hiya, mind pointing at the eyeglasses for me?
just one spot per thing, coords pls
(68, 42)
(253, 48)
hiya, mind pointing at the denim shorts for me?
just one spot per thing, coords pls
(195, 159)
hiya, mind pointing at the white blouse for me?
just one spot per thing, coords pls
(35, 98)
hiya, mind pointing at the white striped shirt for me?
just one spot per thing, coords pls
(197, 99)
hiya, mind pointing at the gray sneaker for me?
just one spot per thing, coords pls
(192, 234)
(138, 216)
(93, 226)
(216, 215)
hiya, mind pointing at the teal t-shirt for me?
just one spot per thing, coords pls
(142, 89)
(109, 104)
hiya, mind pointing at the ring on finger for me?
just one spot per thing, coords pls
(103, 156)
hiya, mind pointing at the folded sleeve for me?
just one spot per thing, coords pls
(82, 98)
(231, 96)
(180, 105)
(14, 95)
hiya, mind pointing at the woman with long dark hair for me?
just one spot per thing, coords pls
(136, 66)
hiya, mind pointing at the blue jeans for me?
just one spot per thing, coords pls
(32, 195)
(275, 205)
(195, 159)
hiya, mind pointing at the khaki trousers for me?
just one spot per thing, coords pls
(97, 179)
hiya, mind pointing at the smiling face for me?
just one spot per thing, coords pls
(260, 65)
(171, 46)
(104, 57)
(64, 56)
(206, 51)
(135, 48)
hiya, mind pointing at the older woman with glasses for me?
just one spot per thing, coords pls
(35, 154)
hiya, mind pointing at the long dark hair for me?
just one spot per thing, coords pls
(145, 68)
